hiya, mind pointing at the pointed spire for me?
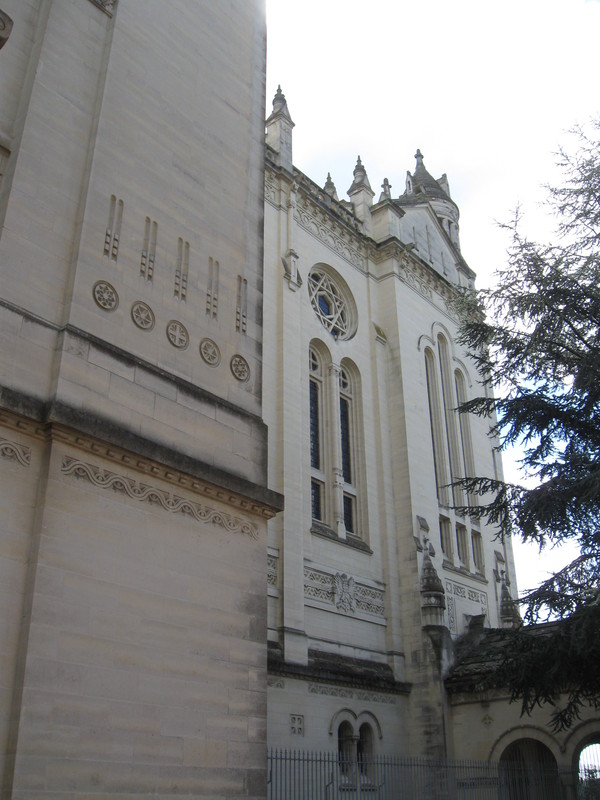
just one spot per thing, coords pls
(361, 180)
(280, 107)
(424, 182)
(509, 613)
(330, 187)
(279, 131)
(431, 584)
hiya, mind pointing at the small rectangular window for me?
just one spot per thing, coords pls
(349, 513)
(316, 501)
(477, 544)
(446, 538)
(462, 544)
(315, 439)
(345, 438)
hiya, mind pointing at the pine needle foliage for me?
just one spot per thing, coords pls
(536, 341)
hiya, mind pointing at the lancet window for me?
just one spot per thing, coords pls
(335, 460)
(460, 539)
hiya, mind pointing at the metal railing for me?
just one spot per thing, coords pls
(299, 775)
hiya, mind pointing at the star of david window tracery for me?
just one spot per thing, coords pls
(331, 305)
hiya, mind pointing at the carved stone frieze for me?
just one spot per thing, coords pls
(335, 242)
(331, 691)
(272, 569)
(15, 452)
(154, 469)
(343, 591)
(370, 600)
(456, 590)
(411, 276)
(270, 191)
(376, 697)
(150, 494)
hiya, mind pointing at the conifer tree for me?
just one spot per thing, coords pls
(536, 341)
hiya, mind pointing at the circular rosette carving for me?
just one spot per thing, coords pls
(105, 296)
(142, 315)
(240, 368)
(177, 334)
(210, 352)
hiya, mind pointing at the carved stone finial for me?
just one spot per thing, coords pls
(280, 108)
(431, 585)
(419, 157)
(330, 187)
(387, 190)
(361, 181)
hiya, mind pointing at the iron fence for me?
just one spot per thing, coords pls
(299, 775)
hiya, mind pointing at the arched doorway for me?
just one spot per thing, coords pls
(528, 771)
(588, 785)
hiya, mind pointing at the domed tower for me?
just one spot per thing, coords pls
(421, 186)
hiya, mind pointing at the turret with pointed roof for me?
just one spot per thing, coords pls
(423, 188)
(279, 130)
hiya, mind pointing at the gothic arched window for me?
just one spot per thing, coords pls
(335, 454)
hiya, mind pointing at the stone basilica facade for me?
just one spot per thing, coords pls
(385, 604)
(193, 336)
(372, 572)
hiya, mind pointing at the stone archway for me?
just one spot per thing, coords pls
(528, 771)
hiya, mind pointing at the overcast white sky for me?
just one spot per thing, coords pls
(487, 91)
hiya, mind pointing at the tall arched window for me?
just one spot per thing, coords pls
(316, 395)
(346, 747)
(364, 748)
(460, 539)
(436, 420)
(348, 446)
(337, 503)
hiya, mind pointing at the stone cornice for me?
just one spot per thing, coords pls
(105, 439)
(169, 502)
(321, 216)
(410, 270)
(160, 471)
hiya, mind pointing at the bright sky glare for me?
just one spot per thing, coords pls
(487, 91)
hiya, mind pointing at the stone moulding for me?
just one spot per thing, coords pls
(15, 452)
(108, 6)
(166, 500)
(323, 233)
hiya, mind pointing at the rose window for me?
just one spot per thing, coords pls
(332, 304)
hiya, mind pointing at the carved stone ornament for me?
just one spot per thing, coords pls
(149, 494)
(142, 315)
(177, 334)
(6, 25)
(105, 296)
(15, 452)
(240, 368)
(344, 592)
(210, 352)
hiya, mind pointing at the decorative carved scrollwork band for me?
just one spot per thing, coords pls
(15, 452)
(144, 493)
